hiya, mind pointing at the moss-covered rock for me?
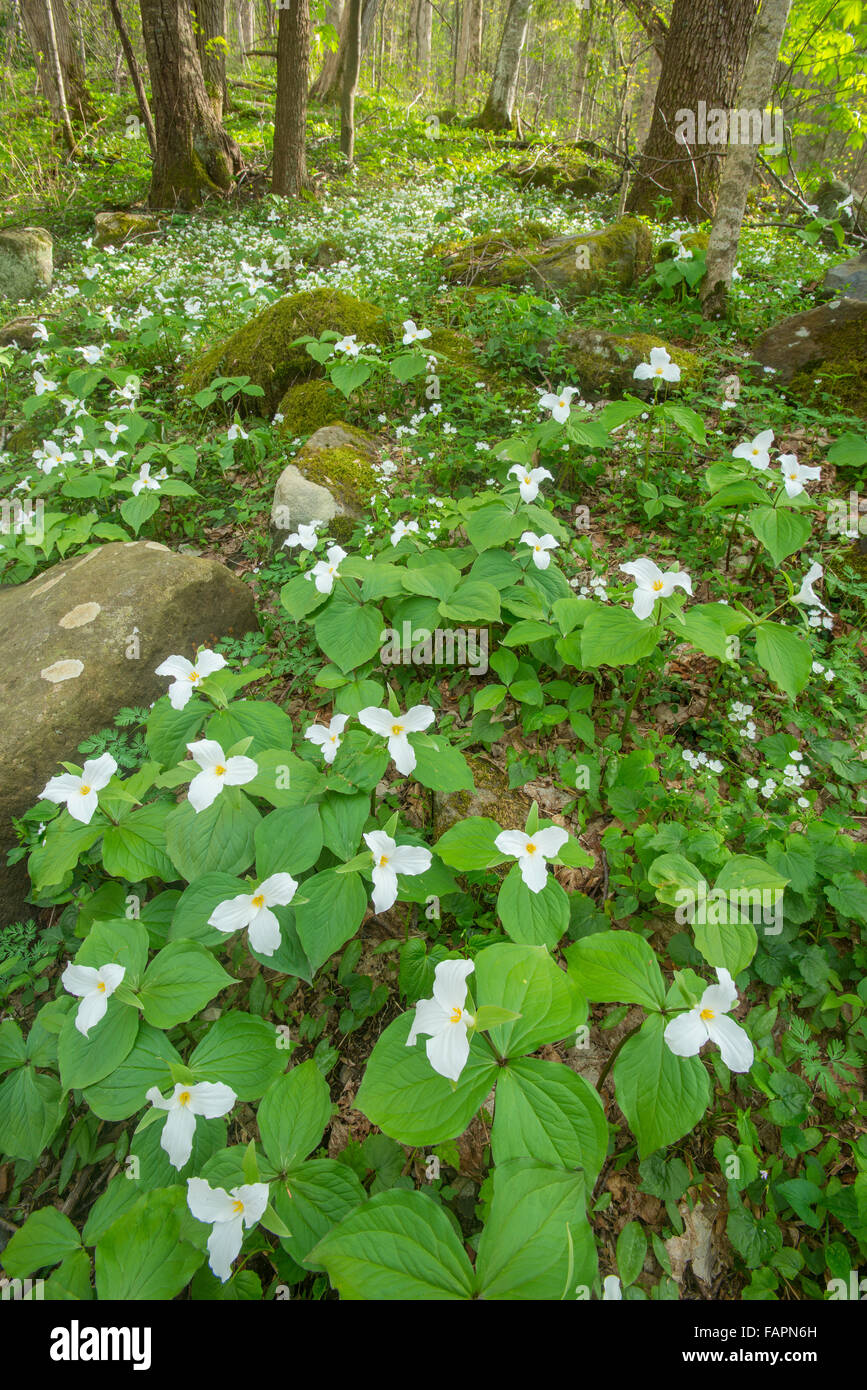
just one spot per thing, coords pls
(823, 350)
(264, 349)
(457, 362)
(565, 174)
(26, 262)
(565, 267)
(493, 797)
(331, 479)
(308, 406)
(117, 228)
(600, 361)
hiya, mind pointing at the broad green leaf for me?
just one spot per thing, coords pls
(31, 1110)
(780, 530)
(293, 1114)
(86, 1060)
(537, 1242)
(349, 633)
(470, 844)
(46, 1238)
(288, 841)
(196, 904)
(218, 838)
(123, 1092)
(526, 980)
(135, 849)
(662, 1096)
(142, 1257)
(264, 722)
(786, 657)
(439, 766)
(617, 967)
(316, 1196)
(242, 1051)
(615, 637)
(546, 1111)
(333, 912)
(532, 919)
(181, 979)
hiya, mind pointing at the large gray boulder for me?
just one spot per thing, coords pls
(83, 640)
(26, 262)
(331, 479)
(849, 278)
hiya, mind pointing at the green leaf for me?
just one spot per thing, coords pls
(198, 901)
(470, 844)
(631, 1250)
(265, 723)
(46, 1238)
(242, 1051)
(546, 1111)
(293, 1114)
(532, 919)
(439, 766)
(786, 657)
(662, 1096)
(437, 580)
(492, 525)
(181, 979)
(71, 1281)
(526, 980)
(397, 1246)
(473, 601)
(615, 637)
(13, 1052)
(349, 633)
(335, 906)
(285, 780)
(300, 596)
(142, 1256)
(123, 1091)
(288, 841)
(343, 822)
(780, 530)
(317, 1195)
(122, 941)
(85, 1060)
(65, 842)
(617, 967)
(537, 1242)
(220, 837)
(135, 848)
(169, 730)
(708, 626)
(31, 1111)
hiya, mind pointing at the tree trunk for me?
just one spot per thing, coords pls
(705, 51)
(754, 95)
(194, 154)
(351, 70)
(38, 21)
(57, 75)
(497, 114)
(424, 36)
(209, 26)
(135, 75)
(329, 84)
(246, 26)
(289, 174)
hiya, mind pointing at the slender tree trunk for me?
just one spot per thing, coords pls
(497, 114)
(57, 75)
(329, 84)
(705, 51)
(135, 75)
(424, 36)
(352, 68)
(582, 59)
(209, 26)
(194, 154)
(39, 20)
(290, 119)
(755, 93)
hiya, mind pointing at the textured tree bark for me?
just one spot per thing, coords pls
(351, 70)
(35, 16)
(289, 173)
(135, 75)
(497, 113)
(57, 75)
(755, 92)
(705, 51)
(329, 84)
(210, 24)
(194, 154)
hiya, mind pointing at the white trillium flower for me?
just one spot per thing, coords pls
(795, 474)
(349, 345)
(228, 1212)
(91, 354)
(305, 536)
(217, 772)
(708, 1022)
(542, 546)
(79, 793)
(611, 1289)
(805, 594)
(532, 852)
(324, 572)
(145, 480)
(235, 432)
(756, 451)
(651, 584)
(327, 736)
(208, 1098)
(411, 334)
(115, 430)
(39, 332)
(529, 480)
(445, 1019)
(559, 402)
(253, 910)
(42, 384)
(187, 676)
(395, 728)
(50, 456)
(659, 368)
(403, 528)
(95, 988)
(389, 860)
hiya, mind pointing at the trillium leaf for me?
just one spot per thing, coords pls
(532, 919)
(13, 1052)
(615, 637)
(65, 842)
(730, 943)
(120, 1196)
(242, 1287)
(288, 841)
(220, 837)
(349, 633)
(617, 967)
(70, 1282)
(242, 1051)
(786, 657)
(525, 1251)
(473, 601)
(493, 525)
(300, 597)
(315, 1197)
(181, 979)
(46, 1238)
(439, 766)
(343, 822)
(135, 849)
(780, 530)
(526, 980)
(86, 1060)
(285, 780)
(142, 1256)
(333, 912)
(123, 1092)
(31, 1111)
(265, 724)
(409, 1101)
(123, 941)
(662, 1096)
(709, 626)
(437, 580)
(470, 844)
(546, 1111)
(169, 730)
(196, 904)
(293, 1114)
(397, 1246)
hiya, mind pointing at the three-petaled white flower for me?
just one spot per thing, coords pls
(208, 1098)
(395, 728)
(327, 736)
(795, 474)
(559, 402)
(91, 354)
(228, 1212)
(529, 480)
(542, 546)
(756, 451)
(805, 594)
(50, 455)
(532, 852)
(445, 1019)
(217, 772)
(411, 334)
(42, 384)
(651, 584)
(708, 1022)
(403, 528)
(305, 536)
(253, 910)
(324, 572)
(115, 430)
(79, 793)
(187, 676)
(389, 860)
(94, 987)
(144, 479)
(659, 368)
(348, 344)
(235, 432)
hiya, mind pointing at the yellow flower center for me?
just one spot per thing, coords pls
(561, 404)
(383, 860)
(100, 987)
(707, 1014)
(220, 770)
(657, 586)
(456, 1015)
(537, 547)
(258, 901)
(530, 848)
(184, 1098)
(397, 729)
(659, 371)
(193, 676)
(83, 789)
(237, 1207)
(526, 479)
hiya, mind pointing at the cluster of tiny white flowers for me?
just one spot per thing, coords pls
(740, 714)
(701, 761)
(825, 671)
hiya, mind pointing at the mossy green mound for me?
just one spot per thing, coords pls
(308, 405)
(598, 361)
(565, 174)
(842, 373)
(265, 349)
